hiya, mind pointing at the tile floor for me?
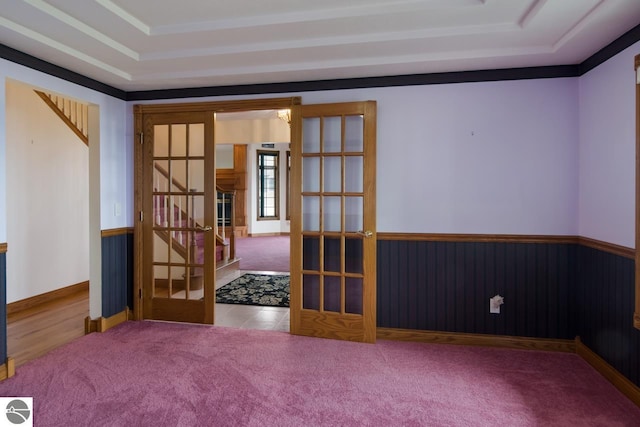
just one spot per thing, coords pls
(248, 316)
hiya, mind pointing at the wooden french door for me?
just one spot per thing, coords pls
(333, 221)
(178, 217)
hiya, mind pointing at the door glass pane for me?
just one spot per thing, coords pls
(332, 213)
(196, 211)
(179, 252)
(178, 140)
(311, 135)
(311, 174)
(196, 175)
(196, 282)
(180, 220)
(178, 171)
(160, 281)
(311, 253)
(311, 292)
(353, 255)
(310, 213)
(178, 282)
(353, 212)
(332, 174)
(332, 135)
(196, 139)
(354, 170)
(353, 295)
(161, 141)
(354, 134)
(332, 295)
(196, 252)
(332, 254)
(160, 247)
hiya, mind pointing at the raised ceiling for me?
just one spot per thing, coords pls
(150, 44)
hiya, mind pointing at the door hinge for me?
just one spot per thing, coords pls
(141, 216)
(140, 293)
(141, 138)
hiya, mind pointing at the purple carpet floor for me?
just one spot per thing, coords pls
(164, 374)
(264, 253)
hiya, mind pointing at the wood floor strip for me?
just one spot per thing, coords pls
(521, 343)
(27, 303)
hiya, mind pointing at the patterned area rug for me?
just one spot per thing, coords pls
(256, 289)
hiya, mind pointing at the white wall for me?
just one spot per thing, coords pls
(115, 146)
(607, 150)
(116, 143)
(48, 213)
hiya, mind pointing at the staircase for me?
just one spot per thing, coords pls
(185, 241)
(73, 113)
(189, 243)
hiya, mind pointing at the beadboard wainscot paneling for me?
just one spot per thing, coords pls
(3, 302)
(604, 294)
(7, 364)
(443, 282)
(117, 271)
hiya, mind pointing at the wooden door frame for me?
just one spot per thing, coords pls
(139, 111)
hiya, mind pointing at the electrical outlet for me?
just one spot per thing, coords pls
(495, 303)
(493, 309)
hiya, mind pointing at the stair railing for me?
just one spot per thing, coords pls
(223, 196)
(73, 113)
(220, 237)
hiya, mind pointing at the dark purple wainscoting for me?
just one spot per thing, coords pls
(446, 286)
(604, 299)
(3, 307)
(117, 273)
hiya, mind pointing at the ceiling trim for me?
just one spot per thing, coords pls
(38, 64)
(361, 83)
(579, 25)
(78, 25)
(612, 49)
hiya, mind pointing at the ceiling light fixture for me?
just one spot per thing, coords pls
(285, 115)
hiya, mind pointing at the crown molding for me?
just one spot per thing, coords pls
(557, 71)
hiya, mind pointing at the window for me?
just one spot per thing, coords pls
(268, 184)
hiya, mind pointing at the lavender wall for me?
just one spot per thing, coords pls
(607, 151)
(490, 157)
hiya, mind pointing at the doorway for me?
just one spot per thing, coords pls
(53, 206)
(252, 158)
(333, 236)
(162, 191)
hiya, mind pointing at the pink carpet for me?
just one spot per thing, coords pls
(264, 253)
(163, 374)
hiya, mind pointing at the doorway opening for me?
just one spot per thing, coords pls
(253, 161)
(53, 220)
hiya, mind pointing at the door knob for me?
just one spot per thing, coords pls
(366, 234)
(205, 228)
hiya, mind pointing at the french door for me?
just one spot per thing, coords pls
(333, 221)
(178, 215)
